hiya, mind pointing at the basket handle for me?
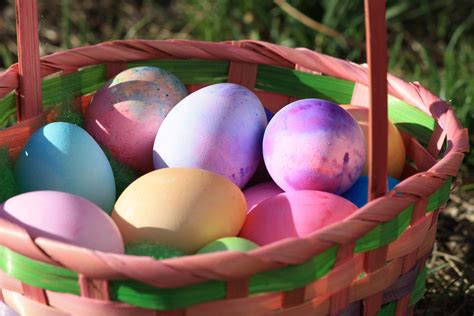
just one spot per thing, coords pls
(376, 43)
(29, 93)
(29, 104)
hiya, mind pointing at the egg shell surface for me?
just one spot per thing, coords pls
(314, 144)
(358, 193)
(229, 244)
(5, 310)
(63, 217)
(294, 214)
(218, 128)
(185, 208)
(64, 157)
(396, 148)
(259, 193)
(125, 114)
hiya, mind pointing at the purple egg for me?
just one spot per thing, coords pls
(314, 144)
(218, 128)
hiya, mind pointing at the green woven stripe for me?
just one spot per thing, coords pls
(191, 71)
(303, 85)
(440, 197)
(420, 287)
(283, 279)
(38, 274)
(8, 110)
(293, 277)
(63, 89)
(385, 233)
(411, 120)
(146, 296)
(417, 294)
(388, 309)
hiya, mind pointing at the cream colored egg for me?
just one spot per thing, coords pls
(396, 148)
(185, 208)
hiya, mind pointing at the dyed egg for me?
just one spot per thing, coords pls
(183, 208)
(5, 310)
(125, 114)
(314, 144)
(154, 250)
(218, 128)
(259, 193)
(63, 217)
(294, 214)
(396, 149)
(358, 193)
(63, 157)
(229, 244)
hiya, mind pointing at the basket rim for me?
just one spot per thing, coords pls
(199, 268)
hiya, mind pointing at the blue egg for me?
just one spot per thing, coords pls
(358, 193)
(64, 157)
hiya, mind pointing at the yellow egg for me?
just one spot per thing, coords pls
(185, 208)
(396, 148)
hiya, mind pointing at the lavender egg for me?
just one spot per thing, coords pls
(314, 144)
(218, 128)
(125, 114)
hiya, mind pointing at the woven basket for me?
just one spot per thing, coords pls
(372, 262)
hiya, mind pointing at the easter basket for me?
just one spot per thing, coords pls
(370, 263)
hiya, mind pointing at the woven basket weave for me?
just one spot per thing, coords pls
(372, 262)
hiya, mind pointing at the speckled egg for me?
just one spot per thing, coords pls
(396, 148)
(217, 128)
(184, 208)
(314, 144)
(294, 214)
(259, 193)
(125, 114)
(63, 217)
(359, 192)
(64, 157)
(229, 244)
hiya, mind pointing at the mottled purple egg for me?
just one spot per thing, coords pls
(314, 144)
(125, 114)
(218, 128)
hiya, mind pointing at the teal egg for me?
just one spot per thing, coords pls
(64, 157)
(229, 243)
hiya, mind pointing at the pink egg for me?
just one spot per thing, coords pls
(126, 113)
(314, 144)
(64, 217)
(294, 214)
(259, 193)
